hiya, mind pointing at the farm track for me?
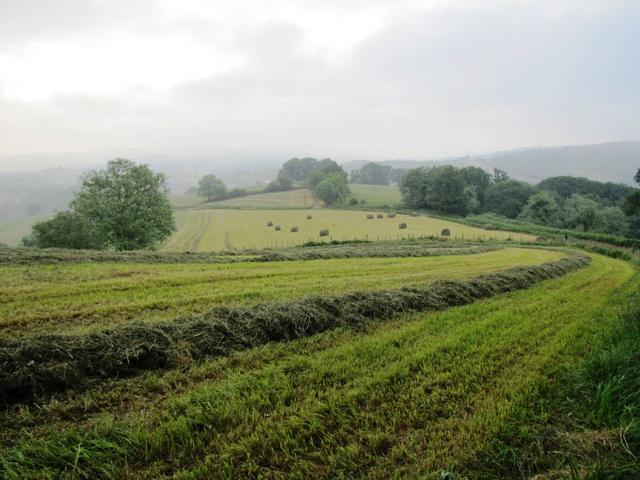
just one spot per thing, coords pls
(403, 399)
(78, 297)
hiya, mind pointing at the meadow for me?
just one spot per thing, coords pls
(80, 296)
(414, 396)
(299, 198)
(376, 195)
(229, 229)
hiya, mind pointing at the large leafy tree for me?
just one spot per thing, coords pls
(632, 202)
(332, 189)
(65, 230)
(542, 208)
(211, 187)
(508, 197)
(126, 205)
(373, 174)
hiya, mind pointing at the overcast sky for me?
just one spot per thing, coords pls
(347, 79)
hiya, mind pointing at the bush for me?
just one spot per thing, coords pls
(402, 226)
(294, 229)
(353, 201)
(445, 232)
(324, 233)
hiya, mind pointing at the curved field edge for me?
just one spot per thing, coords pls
(36, 365)
(72, 298)
(404, 399)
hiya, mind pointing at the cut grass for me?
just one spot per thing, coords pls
(76, 297)
(406, 399)
(224, 229)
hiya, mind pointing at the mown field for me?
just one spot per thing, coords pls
(79, 296)
(412, 396)
(302, 198)
(228, 229)
(376, 195)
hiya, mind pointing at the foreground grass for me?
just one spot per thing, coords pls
(406, 399)
(229, 229)
(78, 296)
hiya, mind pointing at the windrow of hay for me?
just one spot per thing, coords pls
(33, 366)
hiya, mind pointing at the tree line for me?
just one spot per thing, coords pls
(562, 202)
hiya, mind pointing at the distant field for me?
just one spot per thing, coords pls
(220, 229)
(185, 201)
(81, 295)
(302, 198)
(376, 195)
(12, 232)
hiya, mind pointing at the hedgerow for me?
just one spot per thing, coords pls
(33, 366)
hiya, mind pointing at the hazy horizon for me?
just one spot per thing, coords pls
(371, 80)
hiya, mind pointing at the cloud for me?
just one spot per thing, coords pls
(374, 79)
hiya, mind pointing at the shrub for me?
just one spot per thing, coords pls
(402, 226)
(353, 201)
(294, 229)
(269, 224)
(324, 232)
(445, 232)
(369, 216)
(278, 228)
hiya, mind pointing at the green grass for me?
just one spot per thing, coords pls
(403, 399)
(186, 200)
(302, 198)
(78, 296)
(376, 195)
(228, 229)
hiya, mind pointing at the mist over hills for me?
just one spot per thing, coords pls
(27, 193)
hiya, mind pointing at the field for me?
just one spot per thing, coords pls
(229, 229)
(11, 232)
(81, 296)
(376, 195)
(301, 198)
(410, 396)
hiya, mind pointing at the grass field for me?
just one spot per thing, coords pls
(12, 232)
(228, 229)
(78, 296)
(376, 195)
(408, 398)
(302, 198)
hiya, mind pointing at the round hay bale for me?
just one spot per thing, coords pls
(380, 215)
(391, 215)
(269, 223)
(445, 232)
(294, 229)
(402, 226)
(278, 228)
(309, 217)
(324, 232)
(369, 216)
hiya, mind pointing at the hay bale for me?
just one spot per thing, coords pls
(269, 223)
(391, 215)
(324, 232)
(445, 232)
(402, 226)
(278, 228)
(294, 229)
(309, 217)
(488, 226)
(369, 216)
(380, 215)
(414, 214)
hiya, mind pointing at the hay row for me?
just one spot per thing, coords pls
(38, 365)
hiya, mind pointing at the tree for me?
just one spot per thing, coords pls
(126, 205)
(332, 189)
(211, 187)
(580, 212)
(611, 220)
(282, 183)
(542, 208)
(609, 193)
(65, 230)
(299, 169)
(500, 176)
(508, 198)
(631, 204)
(413, 186)
(446, 190)
(373, 174)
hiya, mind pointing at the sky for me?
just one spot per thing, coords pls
(350, 79)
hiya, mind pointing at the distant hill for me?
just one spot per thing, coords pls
(605, 162)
